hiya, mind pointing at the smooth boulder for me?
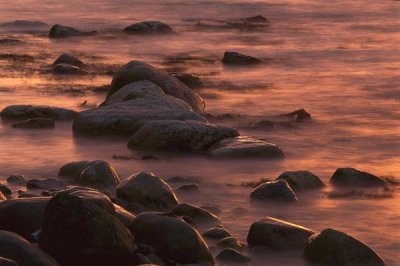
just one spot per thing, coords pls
(351, 177)
(72, 170)
(274, 191)
(100, 175)
(23, 112)
(148, 27)
(299, 180)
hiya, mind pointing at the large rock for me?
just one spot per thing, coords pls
(72, 170)
(23, 112)
(197, 215)
(100, 175)
(274, 191)
(174, 135)
(148, 190)
(59, 31)
(302, 180)
(77, 232)
(245, 148)
(137, 71)
(235, 58)
(172, 238)
(277, 234)
(16, 248)
(36, 123)
(351, 177)
(148, 27)
(335, 248)
(16, 179)
(68, 59)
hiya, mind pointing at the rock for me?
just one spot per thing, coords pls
(230, 242)
(301, 180)
(67, 69)
(14, 247)
(278, 235)
(2, 197)
(16, 179)
(197, 215)
(24, 24)
(123, 215)
(258, 18)
(7, 41)
(59, 31)
(7, 262)
(192, 81)
(216, 233)
(231, 255)
(137, 71)
(174, 135)
(148, 27)
(23, 112)
(235, 58)
(332, 247)
(45, 183)
(216, 210)
(36, 123)
(77, 232)
(248, 24)
(299, 115)
(22, 216)
(100, 175)
(24, 194)
(278, 190)
(351, 177)
(68, 59)
(188, 188)
(172, 238)
(245, 148)
(5, 190)
(147, 190)
(72, 170)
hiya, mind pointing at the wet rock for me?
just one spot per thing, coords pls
(45, 183)
(245, 148)
(230, 242)
(274, 191)
(216, 210)
(351, 177)
(59, 31)
(123, 215)
(5, 190)
(198, 215)
(148, 27)
(16, 179)
(299, 115)
(174, 135)
(332, 247)
(67, 69)
(137, 71)
(68, 59)
(2, 197)
(36, 123)
(148, 190)
(72, 170)
(278, 235)
(24, 194)
(216, 233)
(23, 112)
(188, 188)
(258, 18)
(302, 180)
(16, 248)
(239, 211)
(235, 58)
(231, 255)
(22, 216)
(7, 262)
(98, 174)
(24, 24)
(77, 232)
(192, 81)
(172, 238)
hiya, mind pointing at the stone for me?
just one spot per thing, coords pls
(23, 112)
(60, 31)
(2, 197)
(231, 255)
(351, 177)
(100, 175)
(278, 190)
(148, 27)
(192, 81)
(72, 170)
(216, 233)
(299, 115)
(188, 188)
(197, 215)
(299, 180)
(5, 190)
(45, 183)
(26, 24)
(235, 58)
(68, 59)
(230, 242)
(7, 262)
(16, 179)
(35, 123)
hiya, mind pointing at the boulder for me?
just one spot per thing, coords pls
(192, 81)
(233, 256)
(23, 112)
(198, 215)
(278, 190)
(137, 71)
(278, 235)
(245, 148)
(16, 179)
(216, 233)
(148, 27)
(59, 31)
(235, 58)
(77, 232)
(68, 59)
(72, 170)
(174, 135)
(148, 190)
(301, 180)
(351, 177)
(16, 248)
(67, 69)
(35, 123)
(172, 238)
(98, 174)
(332, 247)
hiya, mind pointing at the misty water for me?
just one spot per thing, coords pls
(339, 60)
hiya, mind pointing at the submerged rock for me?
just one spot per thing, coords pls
(148, 27)
(174, 135)
(16, 248)
(67, 69)
(231, 255)
(198, 215)
(277, 234)
(302, 180)
(23, 112)
(216, 233)
(45, 183)
(192, 81)
(351, 177)
(274, 191)
(36, 123)
(68, 59)
(235, 58)
(188, 188)
(172, 238)
(60, 31)
(332, 247)
(299, 115)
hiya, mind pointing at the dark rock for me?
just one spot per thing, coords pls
(332, 247)
(172, 238)
(45, 183)
(24, 195)
(5, 190)
(24, 24)
(23, 112)
(16, 248)
(235, 58)
(10, 41)
(100, 175)
(2, 197)
(302, 180)
(230, 242)
(299, 115)
(216, 233)
(16, 179)
(216, 210)
(73, 170)
(351, 177)
(231, 255)
(67, 69)
(174, 135)
(7, 262)
(148, 27)
(277, 234)
(274, 191)
(68, 59)
(77, 232)
(36, 123)
(192, 188)
(258, 18)
(192, 81)
(197, 215)
(59, 31)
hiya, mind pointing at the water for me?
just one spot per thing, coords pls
(337, 59)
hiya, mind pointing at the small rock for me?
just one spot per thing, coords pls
(197, 215)
(258, 18)
(232, 255)
(230, 242)
(148, 27)
(23, 112)
(192, 188)
(45, 183)
(275, 191)
(24, 194)
(67, 69)
(5, 190)
(36, 123)
(59, 31)
(351, 177)
(211, 208)
(68, 59)
(192, 81)
(73, 170)
(299, 115)
(16, 179)
(20, 23)
(100, 175)
(235, 58)
(302, 180)
(216, 233)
